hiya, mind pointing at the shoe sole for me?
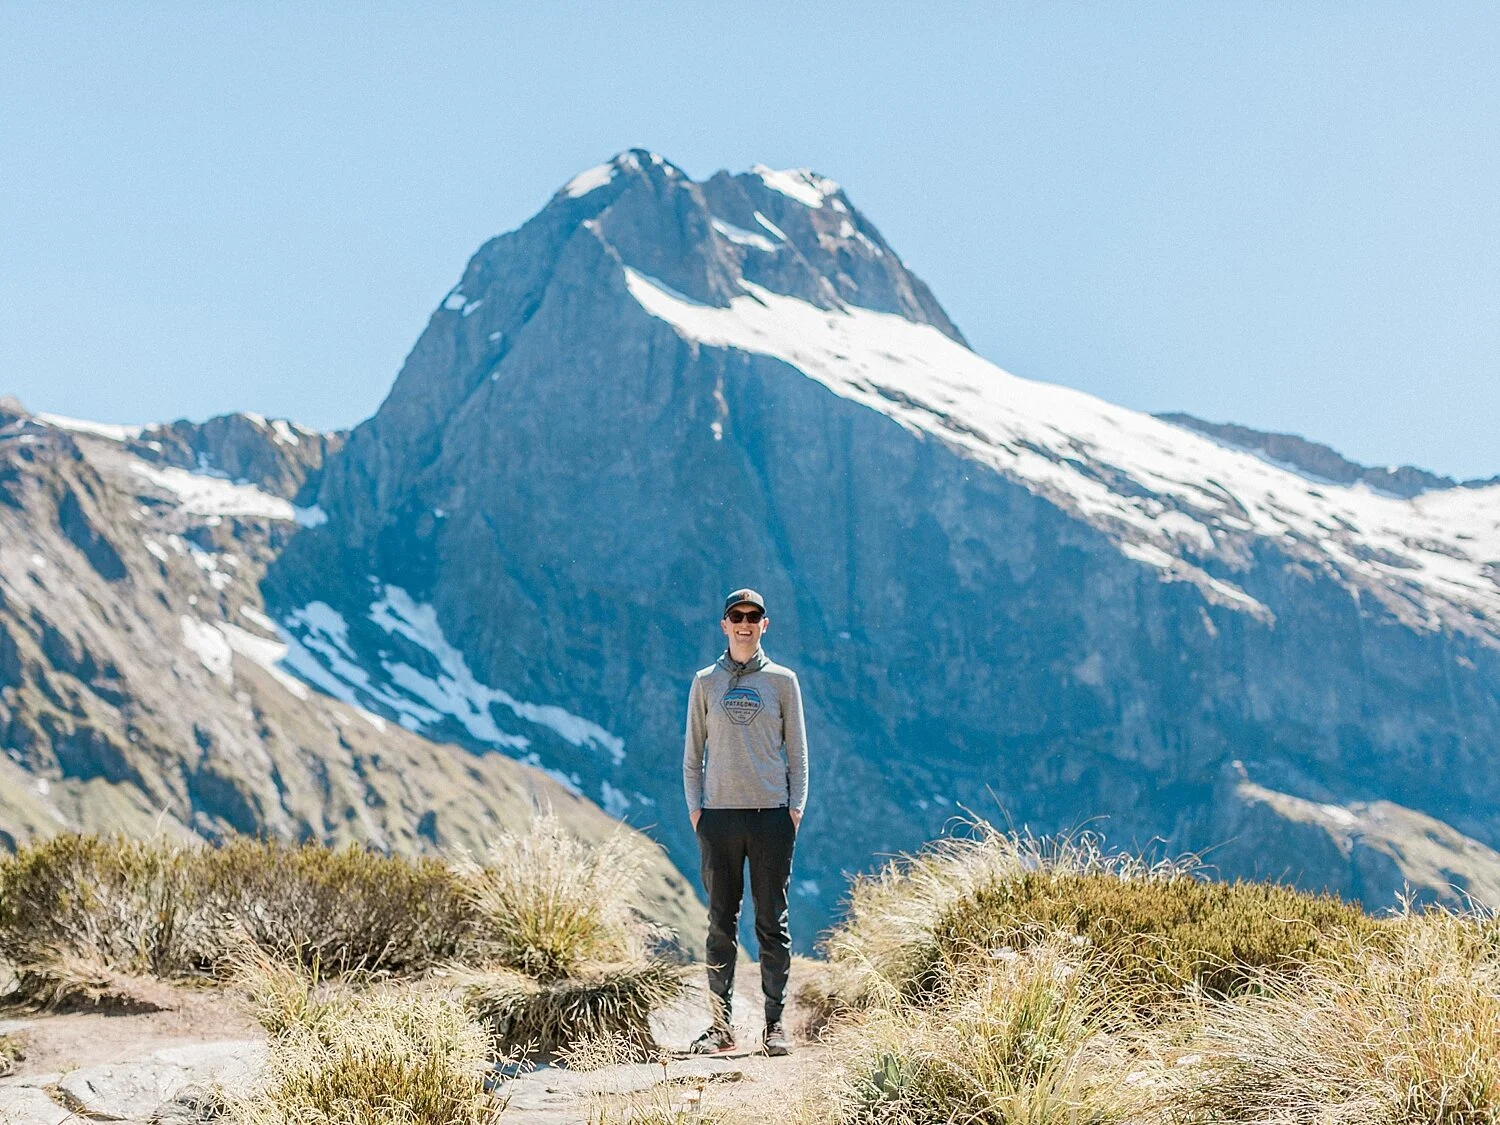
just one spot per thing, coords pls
(711, 1054)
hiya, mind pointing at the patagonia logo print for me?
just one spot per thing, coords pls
(741, 704)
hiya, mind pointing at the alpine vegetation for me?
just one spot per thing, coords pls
(996, 978)
(382, 1055)
(542, 941)
(155, 908)
(568, 954)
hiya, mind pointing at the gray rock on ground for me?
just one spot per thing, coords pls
(136, 1091)
(30, 1105)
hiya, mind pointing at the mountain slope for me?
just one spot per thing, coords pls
(142, 688)
(1321, 462)
(996, 592)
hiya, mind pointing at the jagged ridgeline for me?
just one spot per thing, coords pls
(998, 594)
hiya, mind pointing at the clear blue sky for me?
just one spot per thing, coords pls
(1285, 215)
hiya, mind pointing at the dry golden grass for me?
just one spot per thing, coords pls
(1399, 1029)
(151, 907)
(602, 1002)
(340, 1055)
(546, 902)
(1019, 1039)
(999, 980)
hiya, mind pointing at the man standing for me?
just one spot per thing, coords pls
(744, 771)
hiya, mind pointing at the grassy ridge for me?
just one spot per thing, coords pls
(997, 980)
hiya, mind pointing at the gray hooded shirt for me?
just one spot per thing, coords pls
(746, 739)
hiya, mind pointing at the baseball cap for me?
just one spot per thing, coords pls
(746, 595)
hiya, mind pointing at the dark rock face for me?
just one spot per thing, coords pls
(566, 485)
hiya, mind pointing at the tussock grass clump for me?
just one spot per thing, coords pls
(383, 1056)
(547, 902)
(1403, 1028)
(557, 927)
(1018, 1040)
(1156, 927)
(149, 907)
(604, 1003)
(1155, 937)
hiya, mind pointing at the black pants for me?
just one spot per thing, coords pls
(726, 839)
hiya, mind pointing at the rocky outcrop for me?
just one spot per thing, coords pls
(999, 596)
(282, 457)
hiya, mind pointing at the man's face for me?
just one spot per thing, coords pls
(744, 633)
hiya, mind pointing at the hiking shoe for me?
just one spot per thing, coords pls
(714, 1041)
(776, 1039)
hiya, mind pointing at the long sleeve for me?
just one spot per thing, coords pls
(695, 742)
(794, 734)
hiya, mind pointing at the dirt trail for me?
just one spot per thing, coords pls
(143, 1068)
(751, 1084)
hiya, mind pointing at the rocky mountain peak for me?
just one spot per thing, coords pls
(994, 590)
(793, 232)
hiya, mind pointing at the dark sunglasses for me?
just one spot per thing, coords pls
(737, 615)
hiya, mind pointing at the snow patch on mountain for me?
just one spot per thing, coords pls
(317, 645)
(209, 646)
(204, 495)
(591, 179)
(457, 692)
(110, 430)
(743, 237)
(263, 652)
(771, 227)
(801, 184)
(1172, 499)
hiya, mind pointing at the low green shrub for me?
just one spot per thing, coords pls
(557, 916)
(1158, 927)
(1154, 937)
(343, 908)
(125, 905)
(889, 942)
